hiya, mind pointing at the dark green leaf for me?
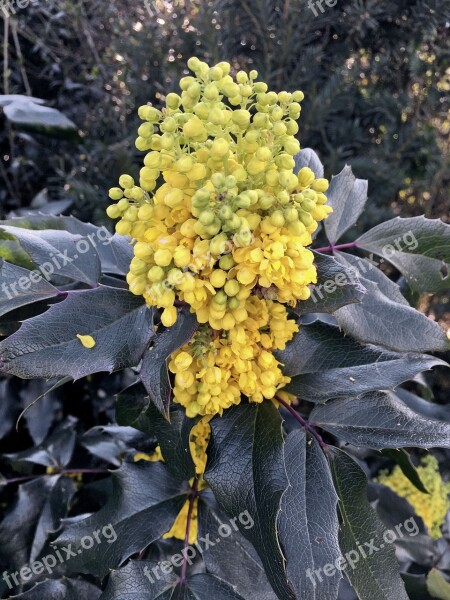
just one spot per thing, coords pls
(115, 251)
(336, 286)
(145, 580)
(204, 587)
(368, 268)
(132, 408)
(55, 451)
(18, 289)
(418, 247)
(374, 572)
(112, 442)
(308, 536)
(135, 409)
(381, 319)
(231, 557)
(27, 114)
(40, 505)
(47, 346)
(402, 458)
(347, 196)
(154, 373)
(9, 406)
(380, 420)
(424, 407)
(144, 504)
(139, 580)
(308, 158)
(59, 253)
(66, 589)
(246, 473)
(173, 438)
(326, 364)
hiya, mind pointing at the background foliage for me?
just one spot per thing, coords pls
(376, 81)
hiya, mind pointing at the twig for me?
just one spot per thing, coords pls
(332, 247)
(303, 422)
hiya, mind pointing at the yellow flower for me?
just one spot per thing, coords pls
(431, 507)
(220, 221)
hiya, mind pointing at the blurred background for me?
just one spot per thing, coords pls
(375, 73)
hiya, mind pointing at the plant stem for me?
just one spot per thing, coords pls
(304, 423)
(192, 497)
(332, 247)
(63, 472)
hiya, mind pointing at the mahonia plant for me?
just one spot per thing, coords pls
(254, 372)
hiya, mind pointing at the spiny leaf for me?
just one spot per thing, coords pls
(47, 345)
(374, 571)
(246, 472)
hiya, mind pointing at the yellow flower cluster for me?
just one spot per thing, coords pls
(220, 221)
(198, 443)
(431, 507)
(212, 374)
(218, 209)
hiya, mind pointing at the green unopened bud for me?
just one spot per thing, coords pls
(207, 217)
(305, 218)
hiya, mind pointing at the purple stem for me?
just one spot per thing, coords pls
(332, 248)
(303, 422)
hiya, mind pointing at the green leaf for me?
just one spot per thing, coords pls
(134, 408)
(230, 557)
(368, 268)
(173, 437)
(246, 473)
(154, 373)
(29, 115)
(145, 580)
(308, 158)
(37, 511)
(308, 536)
(47, 346)
(424, 407)
(347, 196)
(437, 586)
(403, 460)
(336, 286)
(115, 251)
(66, 589)
(326, 364)
(381, 319)
(418, 247)
(59, 253)
(55, 451)
(6, 99)
(374, 572)
(18, 289)
(380, 420)
(143, 506)
(139, 580)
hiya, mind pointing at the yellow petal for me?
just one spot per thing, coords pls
(87, 340)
